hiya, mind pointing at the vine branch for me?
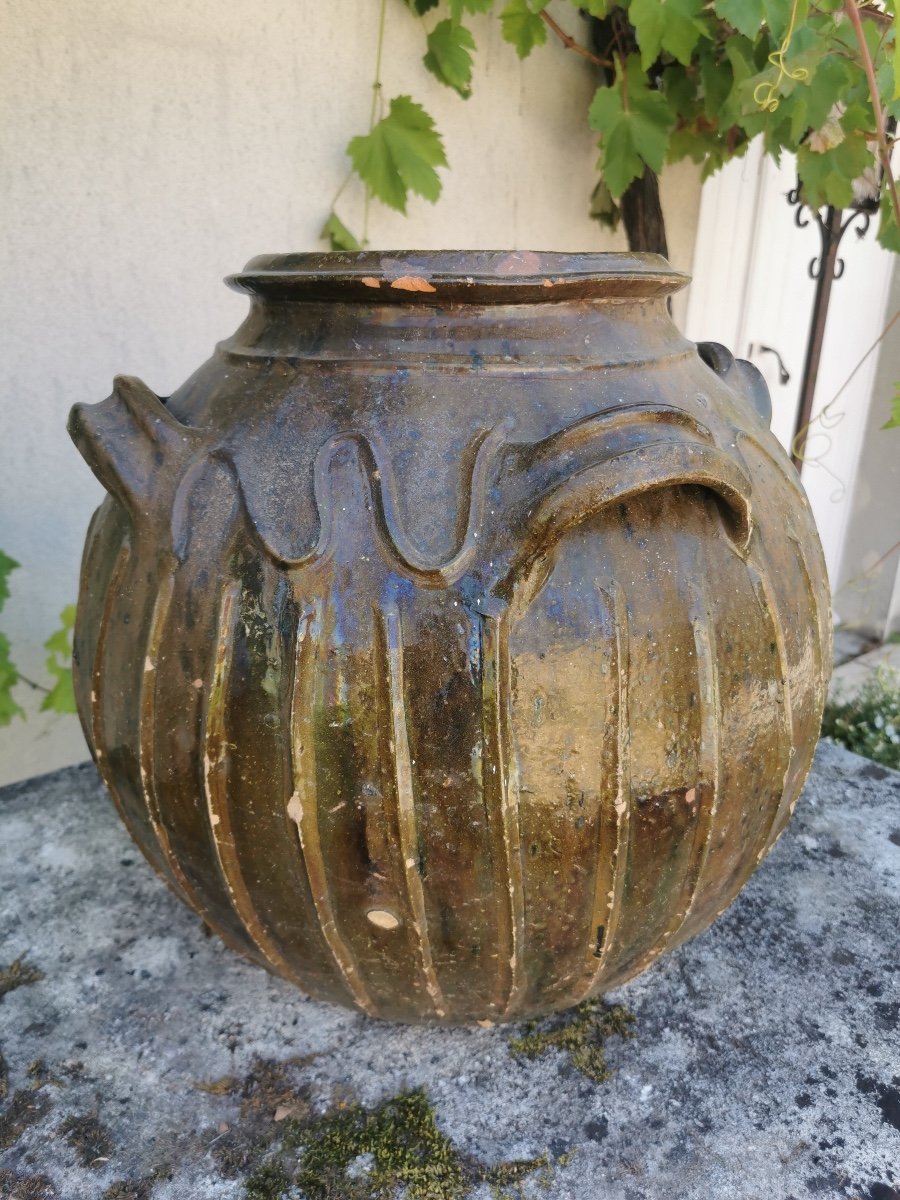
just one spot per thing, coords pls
(570, 43)
(32, 683)
(373, 111)
(852, 10)
(825, 412)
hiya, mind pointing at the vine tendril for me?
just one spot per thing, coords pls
(764, 94)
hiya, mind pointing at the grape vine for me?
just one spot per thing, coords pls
(676, 79)
(59, 697)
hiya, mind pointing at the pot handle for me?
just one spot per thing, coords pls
(624, 473)
(132, 443)
(741, 376)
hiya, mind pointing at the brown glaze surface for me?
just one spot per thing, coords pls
(456, 639)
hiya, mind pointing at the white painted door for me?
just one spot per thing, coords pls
(752, 289)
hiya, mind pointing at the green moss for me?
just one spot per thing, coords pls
(869, 723)
(506, 1179)
(581, 1033)
(130, 1189)
(219, 1087)
(268, 1182)
(26, 1187)
(89, 1139)
(283, 1148)
(355, 1153)
(18, 974)
(407, 1150)
(25, 1109)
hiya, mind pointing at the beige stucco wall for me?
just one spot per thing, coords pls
(149, 148)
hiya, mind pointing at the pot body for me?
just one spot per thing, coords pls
(456, 639)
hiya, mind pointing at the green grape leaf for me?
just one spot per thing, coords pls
(7, 566)
(743, 67)
(458, 7)
(61, 697)
(826, 138)
(634, 122)
(399, 156)
(778, 15)
(895, 62)
(858, 117)
(827, 83)
(718, 156)
(9, 677)
(687, 143)
(603, 208)
(680, 90)
(422, 6)
(740, 106)
(449, 57)
(888, 230)
(522, 27)
(887, 89)
(745, 15)
(888, 78)
(893, 421)
(670, 25)
(338, 236)
(827, 178)
(717, 78)
(594, 8)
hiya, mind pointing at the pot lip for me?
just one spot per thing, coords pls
(458, 276)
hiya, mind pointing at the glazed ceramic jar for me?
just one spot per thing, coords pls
(456, 639)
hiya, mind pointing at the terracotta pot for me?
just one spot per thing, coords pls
(456, 639)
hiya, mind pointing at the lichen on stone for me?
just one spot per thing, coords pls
(581, 1033)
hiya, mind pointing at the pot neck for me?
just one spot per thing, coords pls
(537, 336)
(502, 309)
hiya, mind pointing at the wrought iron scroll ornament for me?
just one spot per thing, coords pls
(831, 232)
(824, 268)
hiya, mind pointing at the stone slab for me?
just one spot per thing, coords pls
(850, 644)
(849, 677)
(765, 1063)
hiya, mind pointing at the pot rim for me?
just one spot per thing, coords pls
(458, 276)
